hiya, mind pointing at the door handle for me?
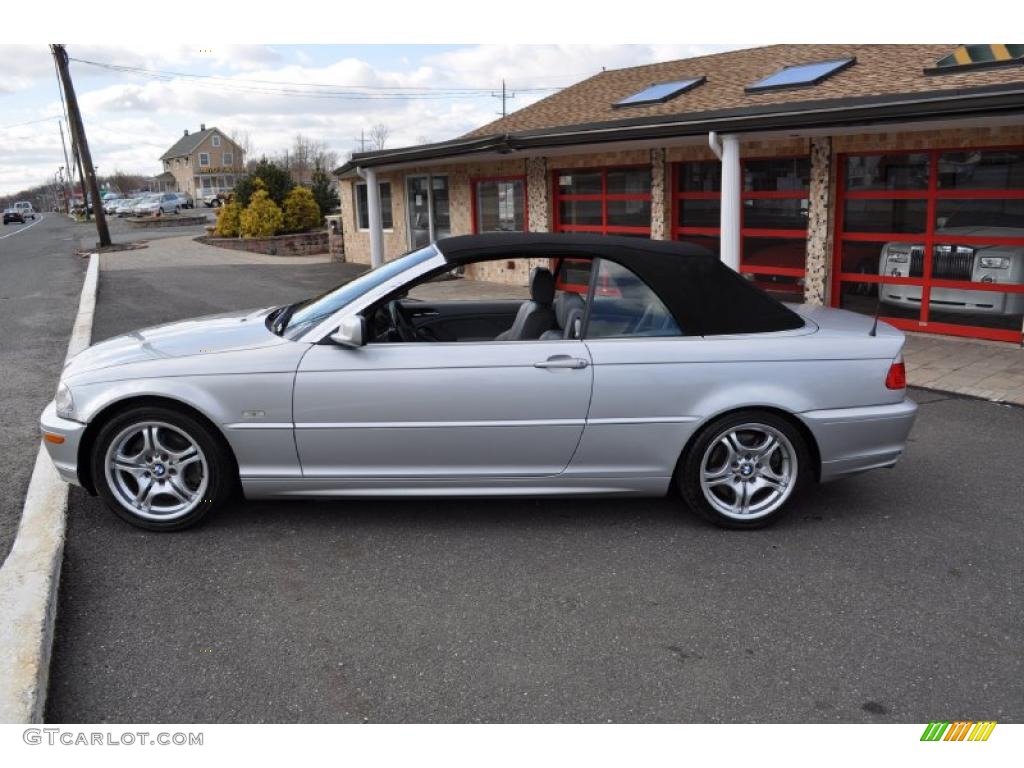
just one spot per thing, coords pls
(562, 361)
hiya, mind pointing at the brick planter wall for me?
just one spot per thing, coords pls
(302, 244)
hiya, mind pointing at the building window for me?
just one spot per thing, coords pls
(204, 160)
(227, 159)
(773, 217)
(363, 211)
(215, 140)
(428, 209)
(603, 200)
(934, 240)
(499, 204)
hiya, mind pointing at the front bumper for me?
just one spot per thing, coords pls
(64, 455)
(852, 440)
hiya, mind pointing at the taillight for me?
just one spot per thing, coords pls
(897, 376)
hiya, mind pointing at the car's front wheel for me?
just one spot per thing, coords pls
(744, 469)
(160, 469)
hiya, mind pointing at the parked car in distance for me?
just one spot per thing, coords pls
(126, 206)
(26, 209)
(158, 204)
(111, 203)
(13, 216)
(671, 371)
(185, 200)
(991, 264)
(213, 199)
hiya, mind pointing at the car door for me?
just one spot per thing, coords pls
(463, 320)
(436, 411)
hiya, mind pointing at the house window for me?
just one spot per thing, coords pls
(499, 204)
(604, 200)
(215, 140)
(204, 160)
(363, 211)
(228, 159)
(933, 240)
(773, 224)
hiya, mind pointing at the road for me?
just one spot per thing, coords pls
(891, 597)
(40, 283)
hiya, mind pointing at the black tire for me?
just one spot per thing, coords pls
(221, 472)
(710, 444)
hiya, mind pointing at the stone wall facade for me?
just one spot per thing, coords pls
(819, 221)
(302, 244)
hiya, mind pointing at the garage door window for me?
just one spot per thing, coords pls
(934, 240)
(774, 217)
(605, 200)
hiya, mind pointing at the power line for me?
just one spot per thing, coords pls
(314, 90)
(29, 122)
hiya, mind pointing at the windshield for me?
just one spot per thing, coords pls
(308, 313)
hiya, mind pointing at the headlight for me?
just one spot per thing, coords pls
(64, 402)
(995, 262)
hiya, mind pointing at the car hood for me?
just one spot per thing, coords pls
(212, 334)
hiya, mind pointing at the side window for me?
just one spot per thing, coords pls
(623, 305)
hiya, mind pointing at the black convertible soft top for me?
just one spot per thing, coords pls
(705, 296)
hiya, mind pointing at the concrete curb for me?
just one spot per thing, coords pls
(30, 576)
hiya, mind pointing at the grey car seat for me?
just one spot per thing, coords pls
(537, 315)
(566, 305)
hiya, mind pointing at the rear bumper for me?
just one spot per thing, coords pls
(852, 440)
(64, 455)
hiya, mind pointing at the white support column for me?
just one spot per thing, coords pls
(731, 186)
(373, 211)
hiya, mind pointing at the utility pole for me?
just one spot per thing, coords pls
(504, 96)
(78, 133)
(362, 139)
(67, 195)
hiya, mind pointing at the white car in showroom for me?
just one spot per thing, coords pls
(992, 264)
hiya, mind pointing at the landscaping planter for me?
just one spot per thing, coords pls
(153, 222)
(301, 244)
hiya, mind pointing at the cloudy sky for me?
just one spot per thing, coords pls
(134, 111)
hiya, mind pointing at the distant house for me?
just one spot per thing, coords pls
(164, 182)
(204, 162)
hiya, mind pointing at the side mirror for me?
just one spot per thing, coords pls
(351, 333)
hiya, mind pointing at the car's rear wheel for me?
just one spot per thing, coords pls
(744, 469)
(160, 469)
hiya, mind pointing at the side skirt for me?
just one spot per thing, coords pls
(268, 488)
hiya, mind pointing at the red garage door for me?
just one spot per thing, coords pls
(934, 239)
(774, 217)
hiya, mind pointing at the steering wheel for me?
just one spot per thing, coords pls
(401, 322)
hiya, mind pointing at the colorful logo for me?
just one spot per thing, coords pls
(960, 730)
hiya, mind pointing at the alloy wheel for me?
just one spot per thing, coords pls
(748, 471)
(156, 471)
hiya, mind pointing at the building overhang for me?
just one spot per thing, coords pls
(817, 117)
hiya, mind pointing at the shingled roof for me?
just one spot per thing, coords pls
(879, 70)
(186, 144)
(886, 83)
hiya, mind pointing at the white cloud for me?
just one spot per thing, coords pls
(131, 120)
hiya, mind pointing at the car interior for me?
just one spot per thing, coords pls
(555, 310)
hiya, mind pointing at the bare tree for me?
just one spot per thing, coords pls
(244, 142)
(305, 155)
(379, 135)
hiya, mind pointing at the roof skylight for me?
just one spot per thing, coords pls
(659, 93)
(802, 75)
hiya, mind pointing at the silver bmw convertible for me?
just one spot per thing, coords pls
(635, 368)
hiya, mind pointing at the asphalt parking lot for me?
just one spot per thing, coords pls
(891, 597)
